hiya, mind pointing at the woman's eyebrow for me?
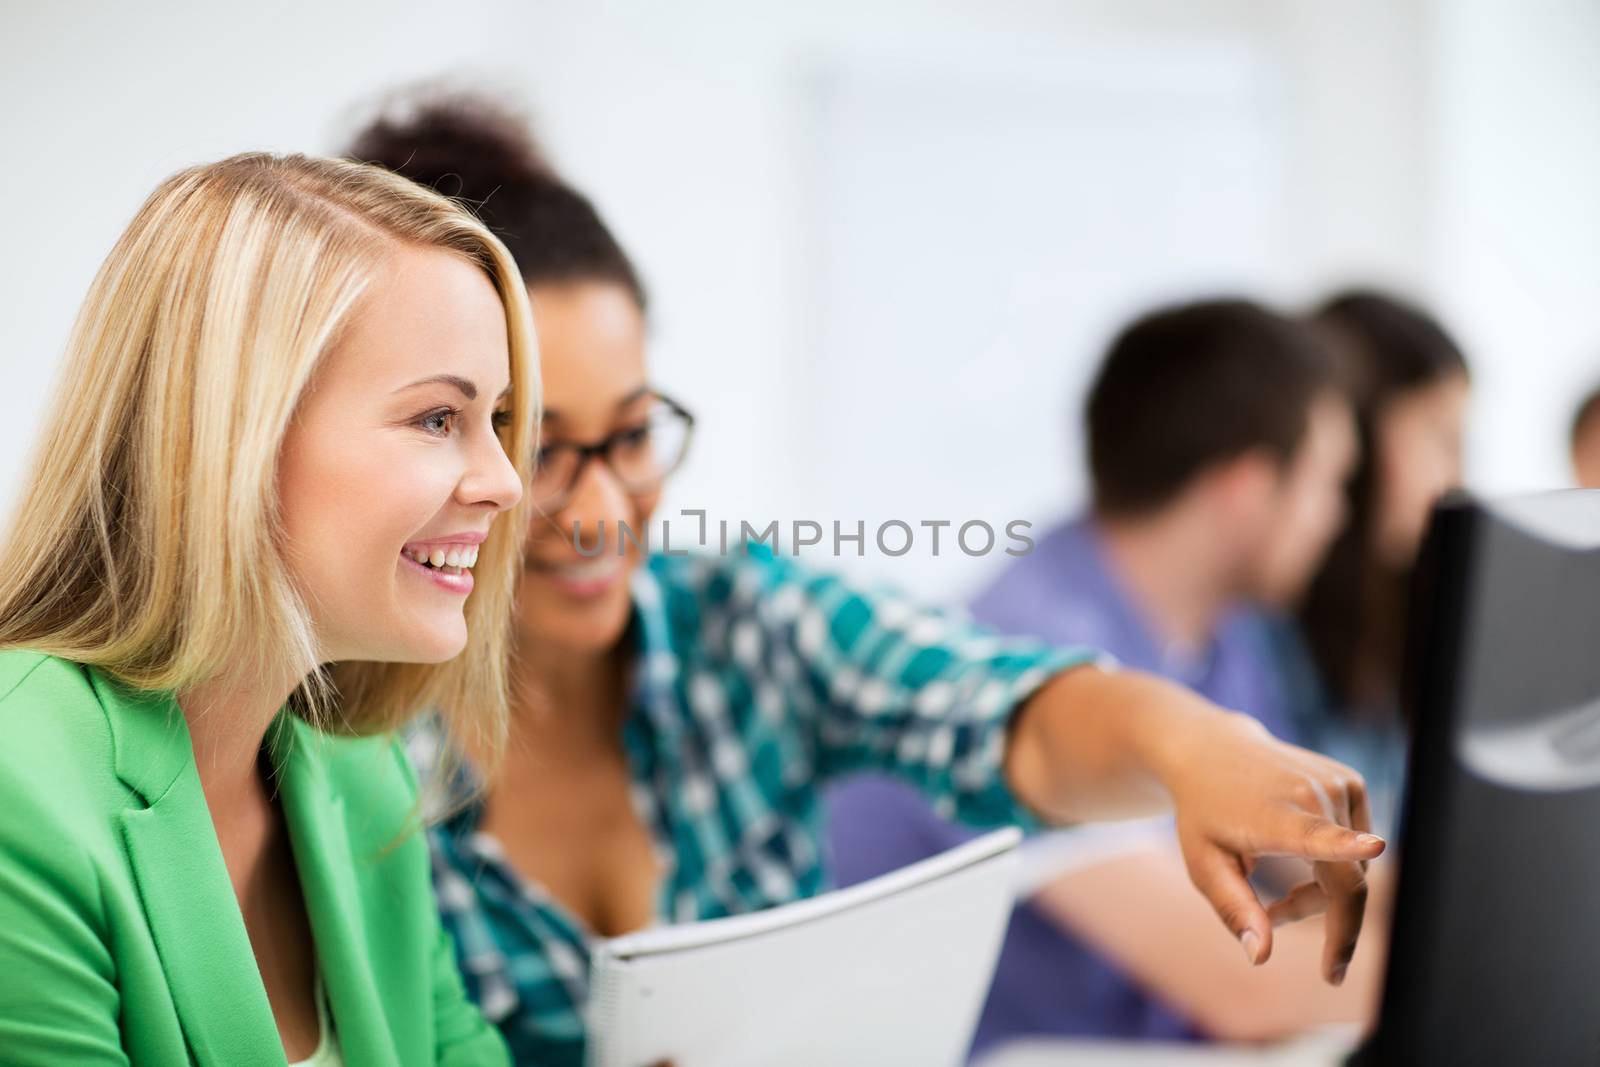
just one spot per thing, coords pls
(642, 391)
(466, 388)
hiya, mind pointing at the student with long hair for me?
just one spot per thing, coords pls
(678, 715)
(261, 523)
(1194, 538)
(1409, 386)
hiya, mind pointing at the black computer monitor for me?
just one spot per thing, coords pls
(1495, 952)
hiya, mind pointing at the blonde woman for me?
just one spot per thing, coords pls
(262, 521)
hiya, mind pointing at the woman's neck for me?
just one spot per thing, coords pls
(228, 718)
(560, 692)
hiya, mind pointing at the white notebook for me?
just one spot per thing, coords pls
(891, 971)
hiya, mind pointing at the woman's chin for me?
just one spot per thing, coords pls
(589, 627)
(436, 645)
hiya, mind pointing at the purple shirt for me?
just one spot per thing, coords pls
(1065, 591)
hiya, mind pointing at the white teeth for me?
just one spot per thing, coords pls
(461, 557)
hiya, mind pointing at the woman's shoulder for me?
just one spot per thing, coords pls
(58, 780)
(28, 677)
(53, 722)
(694, 604)
(741, 579)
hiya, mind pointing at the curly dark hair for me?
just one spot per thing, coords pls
(480, 152)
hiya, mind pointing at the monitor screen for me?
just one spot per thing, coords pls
(1495, 957)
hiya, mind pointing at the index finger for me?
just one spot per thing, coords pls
(1315, 838)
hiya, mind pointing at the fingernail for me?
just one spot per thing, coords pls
(1252, 946)
(1337, 977)
(1368, 840)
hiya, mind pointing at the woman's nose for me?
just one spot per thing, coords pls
(491, 479)
(597, 497)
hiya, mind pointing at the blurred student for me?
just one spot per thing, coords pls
(1219, 442)
(1407, 381)
(1585, 442)
(293, 381)
(678, 715)
(1409, 384)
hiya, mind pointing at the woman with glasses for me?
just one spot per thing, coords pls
(677, 715)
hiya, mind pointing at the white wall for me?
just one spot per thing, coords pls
(1516, 217)
(1392, 142)
(983, 226)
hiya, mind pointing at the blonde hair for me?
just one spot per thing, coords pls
(146, 540)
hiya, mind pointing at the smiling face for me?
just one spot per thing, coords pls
(393, 458)
(591, 356)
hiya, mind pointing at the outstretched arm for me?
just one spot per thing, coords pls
(1093, 744)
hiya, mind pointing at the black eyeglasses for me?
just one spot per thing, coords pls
(640, 456)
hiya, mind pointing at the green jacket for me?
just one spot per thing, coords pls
(121, 940)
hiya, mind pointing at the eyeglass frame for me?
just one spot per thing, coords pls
(599, 449)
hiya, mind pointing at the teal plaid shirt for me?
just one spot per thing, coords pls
(757, 681)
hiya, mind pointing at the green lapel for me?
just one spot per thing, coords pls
(333, 899)
(177, 864)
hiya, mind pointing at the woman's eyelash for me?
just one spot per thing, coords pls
(440, 421)
(427, 420)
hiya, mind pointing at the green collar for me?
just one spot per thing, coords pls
(189, 899)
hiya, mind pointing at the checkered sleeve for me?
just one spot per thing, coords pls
(924, 694)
